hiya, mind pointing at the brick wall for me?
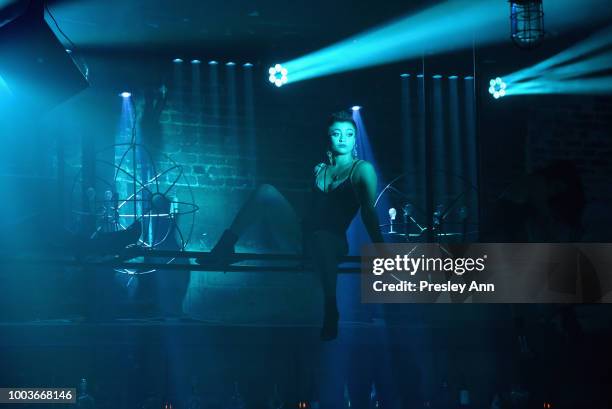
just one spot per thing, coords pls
(226, 149)
(578, 128)
(225, 156)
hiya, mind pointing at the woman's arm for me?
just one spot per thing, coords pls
(365, 182)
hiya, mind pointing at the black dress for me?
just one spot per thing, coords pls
(331, 211)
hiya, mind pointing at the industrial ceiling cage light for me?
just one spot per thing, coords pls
(527, 23)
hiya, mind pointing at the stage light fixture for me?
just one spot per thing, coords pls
(445, 26)
(437, 76)
(526, 23)
(230, 64)
(213, 62)
(452, 77)
(248, 65)
(196, 61)
(356, 108)
(404, 75)
(177, 60)
(125, 94)
(497, 88)
(278, 75)
(579, 69)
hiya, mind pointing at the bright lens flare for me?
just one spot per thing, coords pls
(497, 88)
(278, 75)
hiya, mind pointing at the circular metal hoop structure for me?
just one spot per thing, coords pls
(456, 214)
(147, 193)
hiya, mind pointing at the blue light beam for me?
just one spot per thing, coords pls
(448, 26)
(601, 85)
(559, 74)
(595, 42)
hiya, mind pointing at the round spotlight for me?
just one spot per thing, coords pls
(497, 88)
(437, 76)
(212, 62)
(356, 108)
(404, 75)
(196, 61)
(452, 77)
(420, 76)
(230, 64)
(177, 60)
(248, 65)
(278, 75)
(125, 94)
(469, 77)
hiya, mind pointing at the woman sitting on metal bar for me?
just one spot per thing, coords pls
(341, 187)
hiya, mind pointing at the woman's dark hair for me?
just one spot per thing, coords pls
(342, 116)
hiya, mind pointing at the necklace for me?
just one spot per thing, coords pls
(335, 176)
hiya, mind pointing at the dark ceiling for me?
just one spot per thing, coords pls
(248, 30)
(212, 24)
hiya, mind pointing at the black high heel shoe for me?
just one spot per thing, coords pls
(223, 252)
(105, 243)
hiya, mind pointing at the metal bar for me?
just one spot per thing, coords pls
(169, 267)
(236, 258)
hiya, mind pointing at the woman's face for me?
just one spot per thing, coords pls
(342, 137)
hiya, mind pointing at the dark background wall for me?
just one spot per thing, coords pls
(580, 129)
(43, 158)
(223, 157)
